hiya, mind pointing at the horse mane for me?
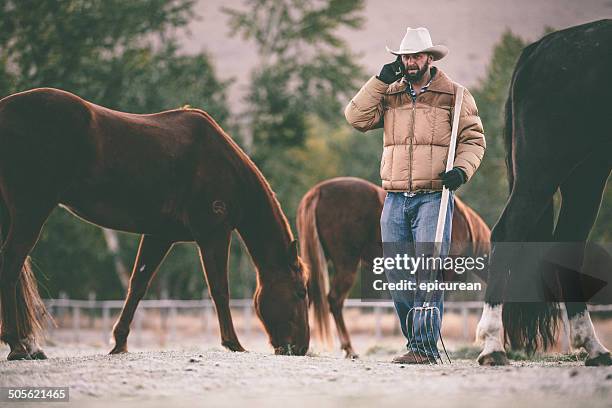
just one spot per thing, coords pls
(270, 195)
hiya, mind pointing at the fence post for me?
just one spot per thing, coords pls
(163, 319)
(51, 323)
(62, 306)
(204, 311)
(248, 315)
(377, 323)
(76, 322)
(210, 312)
(173, 316)
(92, 301)
(105, 323)
(138, 327)
(466, 329)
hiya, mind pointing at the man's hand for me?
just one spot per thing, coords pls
(392, 71)
(453, 178)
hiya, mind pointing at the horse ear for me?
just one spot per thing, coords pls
(292, 254)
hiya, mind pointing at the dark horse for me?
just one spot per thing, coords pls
(172, 176)
(339, 220)
(558, 137)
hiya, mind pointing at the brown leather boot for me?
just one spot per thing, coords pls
(414, 357)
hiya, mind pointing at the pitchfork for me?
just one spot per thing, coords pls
(427, 316)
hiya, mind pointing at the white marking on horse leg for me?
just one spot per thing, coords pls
(489, 331)
(32, 346)
(583, 335)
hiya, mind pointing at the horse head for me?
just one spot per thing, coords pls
(281, 303)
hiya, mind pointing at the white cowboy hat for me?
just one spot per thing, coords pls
(418, 40)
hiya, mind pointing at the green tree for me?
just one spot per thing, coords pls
(487, 192)
(305, 75)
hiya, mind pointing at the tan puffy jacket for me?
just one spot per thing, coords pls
(417, 135)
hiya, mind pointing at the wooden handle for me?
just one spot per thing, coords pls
(450, 161)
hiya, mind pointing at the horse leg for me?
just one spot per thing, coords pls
(151, 253)
(339, 288)
(17, 293)
(34, 350)
(515, 225)
(582, 194)
(214, 257)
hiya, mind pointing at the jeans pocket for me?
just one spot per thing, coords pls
(388, 198)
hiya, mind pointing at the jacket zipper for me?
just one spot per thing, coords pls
(411, 137)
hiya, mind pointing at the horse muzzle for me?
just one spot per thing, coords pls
(290, 350)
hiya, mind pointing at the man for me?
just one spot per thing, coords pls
(413, 101)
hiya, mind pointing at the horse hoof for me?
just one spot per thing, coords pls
(352, 356)
(118, 350)
(19, 355)
(233, 346)
(601, 360)
(495, 358)
(38, 355)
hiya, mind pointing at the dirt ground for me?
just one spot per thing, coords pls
(210, 376)
(190, 368)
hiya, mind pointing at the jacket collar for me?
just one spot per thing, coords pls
(440, 83)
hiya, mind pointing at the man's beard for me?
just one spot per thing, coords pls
(416, 77)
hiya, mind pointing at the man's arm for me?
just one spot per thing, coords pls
(471, 143)
(365, 110)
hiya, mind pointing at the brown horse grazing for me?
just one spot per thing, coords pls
(339, 220)
(558, 138)
(171, 176)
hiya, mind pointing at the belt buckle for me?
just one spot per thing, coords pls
(409, 193)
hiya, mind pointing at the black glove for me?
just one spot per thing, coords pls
(392, 71)
(453, 178)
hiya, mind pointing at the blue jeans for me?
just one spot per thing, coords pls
(408, 224)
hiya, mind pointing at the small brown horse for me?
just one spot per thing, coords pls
(172, 176)
(339, 219)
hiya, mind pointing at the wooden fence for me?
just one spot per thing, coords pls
(170, 309)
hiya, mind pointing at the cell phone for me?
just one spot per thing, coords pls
(398, 66)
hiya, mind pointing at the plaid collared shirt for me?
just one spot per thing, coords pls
(412, 92)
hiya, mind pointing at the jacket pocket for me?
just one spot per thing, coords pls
(442, 126)
(385, 163)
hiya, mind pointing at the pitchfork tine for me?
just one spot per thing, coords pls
(422, 321)
(434, 349)
(424, 316)
(441, 340)
(415, 355)
(433, 334)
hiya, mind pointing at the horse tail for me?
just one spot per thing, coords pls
(533, 325)
(527, 325)
(311, 251)
(530, 325)
(30, 310)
